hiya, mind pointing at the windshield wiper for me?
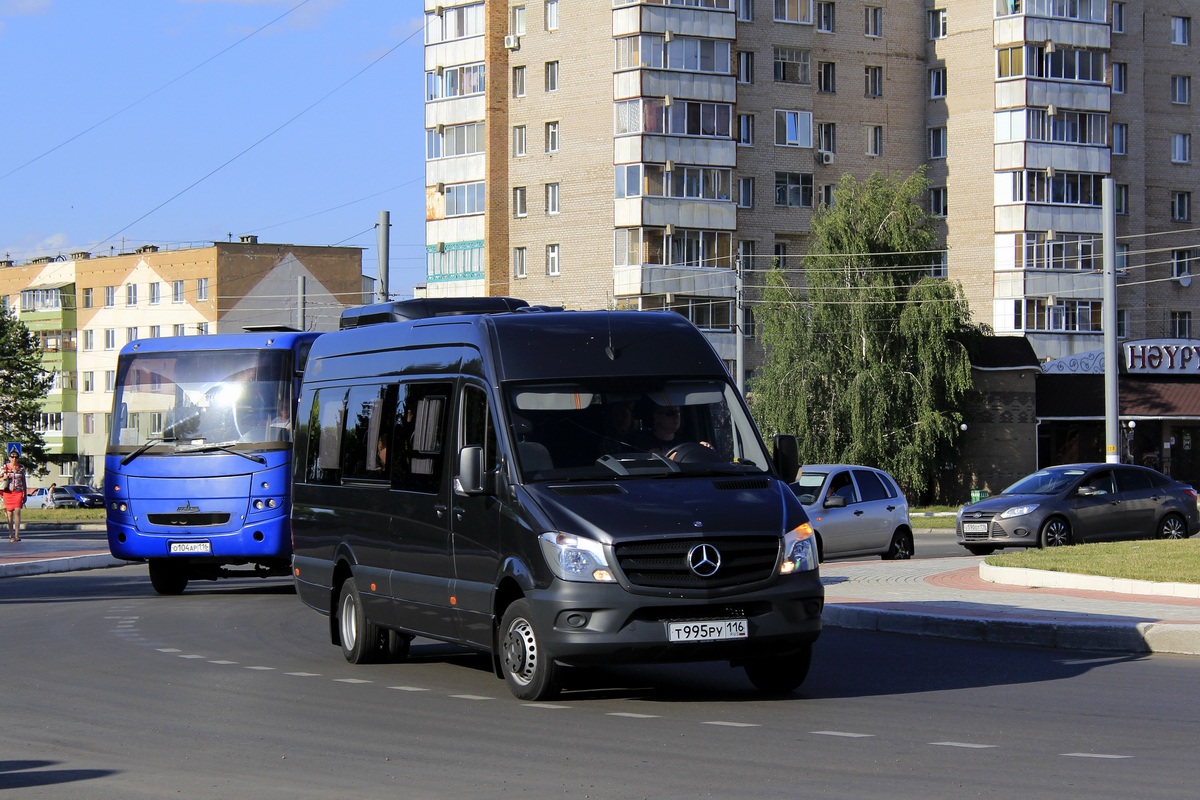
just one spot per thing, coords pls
(223, 447)
(149, 443)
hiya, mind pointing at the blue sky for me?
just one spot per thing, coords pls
(73, 179)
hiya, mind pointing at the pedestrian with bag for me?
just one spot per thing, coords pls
(13, 487)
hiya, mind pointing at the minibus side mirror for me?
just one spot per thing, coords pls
(786, 456)
(470, 478)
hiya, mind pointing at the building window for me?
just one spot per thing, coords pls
(745, 135)
(87, 298)
(793, 128)
(110, 379)
(110, 338)
(780, 252)
(873, 21)
(825, 194)
(518, 81)
(552, 193)
(745, 66)
(1010, 62)
(937, 23)
(155, 293)
(1181, 89)
(745, 10)
(937, 142)
(745, 193)
(551, 76)
(551, 15)
(1121, 198)
(1181, 148)
(89, 339)
(516, 23)
(202, 288)
(176, 291)
(458, 81)
(110, 296)
(130, 334)
(826, 16)
(519, 262)
(551, 137)
(179, 330)
(89, 423)
(939, 264)
(1120, 144)
(552, 260)
(793, 11)
(89, 381)
(794, 189)
(1122, 323)
(826, 77)
(131, 294)
(873, 86)
(1120, 72)
(1181, 206)
(827, 137)
(519, 141)
(155, 331)
(519, 206)
(874, 140)
(202, 328)
(937, 82)
(792, 65)
(1181, 263)
(937, 201)
(1181, 30)
(1181, 324)
(1118, 17)
(464, 199)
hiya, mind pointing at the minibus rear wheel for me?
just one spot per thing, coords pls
(529, 670)
(360, 637)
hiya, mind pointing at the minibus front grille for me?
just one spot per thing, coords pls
(741, 484)
(187, 520)
(663, 563)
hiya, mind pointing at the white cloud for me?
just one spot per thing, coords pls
(23, 8)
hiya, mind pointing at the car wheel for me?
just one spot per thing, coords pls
(529, 670)
(1056, 532)
(780, 674)
(166, 577)
(1172, 526)
(979, 549)
(362, 640)
(901, 548)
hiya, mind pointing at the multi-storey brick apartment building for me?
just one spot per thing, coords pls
(85, 308)
(634, 152)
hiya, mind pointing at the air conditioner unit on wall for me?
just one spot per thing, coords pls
(512, 42)
(824, 157)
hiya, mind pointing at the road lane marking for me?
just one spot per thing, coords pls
(1092, 755)
(844, 734)
(168, 650)
(543, 705)
(261, 669)
(350, 680)
(733, 724)
(222, 662)
(471, 697)
(409, 688)
(305, 674)
(193, 656)
(967, 745)
(631, 715)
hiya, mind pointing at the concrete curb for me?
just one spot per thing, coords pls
(1039, 578)
(65, 564)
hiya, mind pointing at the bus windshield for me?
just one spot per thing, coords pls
(187, 399)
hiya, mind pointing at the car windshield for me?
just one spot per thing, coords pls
(1046, 481)
(185, 399)
(600, 429)
(809, 486)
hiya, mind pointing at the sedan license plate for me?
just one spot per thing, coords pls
(707, 630)
(190, 547)
(975, 527)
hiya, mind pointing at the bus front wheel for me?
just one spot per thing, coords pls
(168, 577)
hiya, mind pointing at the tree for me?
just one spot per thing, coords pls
(23, 386)
(868, 364)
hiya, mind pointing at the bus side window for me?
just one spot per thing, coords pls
(420, 437)
(325, 437)
(368, 422)
(476, 426)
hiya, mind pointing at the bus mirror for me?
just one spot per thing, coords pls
(470, 471)
(787, 456)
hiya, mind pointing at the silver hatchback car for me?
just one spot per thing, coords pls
(856, 511)
(1080, 503)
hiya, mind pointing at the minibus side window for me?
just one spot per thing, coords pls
(420, 437)
(476, 426)
(370, 413)
(325, 437)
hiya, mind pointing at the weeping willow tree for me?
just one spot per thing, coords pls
(868, 363)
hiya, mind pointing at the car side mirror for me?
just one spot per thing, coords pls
(470, 479)
(786, 456)
(1086, 491)
(835, 501)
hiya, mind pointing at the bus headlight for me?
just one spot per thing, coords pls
(799, 550)
(575, 558)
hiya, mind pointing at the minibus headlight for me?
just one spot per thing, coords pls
(799, 550)
(575, 558)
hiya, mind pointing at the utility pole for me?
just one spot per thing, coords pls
(299, 302)
(1112, 398)
(739, 327)
(384, 227)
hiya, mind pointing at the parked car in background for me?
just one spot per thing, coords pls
(39, 498)
(75, 495)
(1080, 503)
(856, 511)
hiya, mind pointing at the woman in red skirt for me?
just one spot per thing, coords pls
(12, 478)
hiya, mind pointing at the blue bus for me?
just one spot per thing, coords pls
(198, 465)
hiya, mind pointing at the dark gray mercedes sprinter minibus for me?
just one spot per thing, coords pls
(555, 488)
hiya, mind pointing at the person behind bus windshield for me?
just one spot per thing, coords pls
(663, 433)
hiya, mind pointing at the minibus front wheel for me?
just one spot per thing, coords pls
(529, 670)
(780, 674)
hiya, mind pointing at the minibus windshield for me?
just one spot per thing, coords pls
(600, 429)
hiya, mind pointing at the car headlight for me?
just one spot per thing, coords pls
(799, 550)
(1018, 511)
(575, 558)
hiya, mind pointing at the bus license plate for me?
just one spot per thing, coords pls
(707, 630)
(191, 547)
(975, 527)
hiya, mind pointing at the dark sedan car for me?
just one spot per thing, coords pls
(1080, 503)
(75, 495)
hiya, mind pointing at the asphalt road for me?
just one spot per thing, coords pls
(232, 690)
